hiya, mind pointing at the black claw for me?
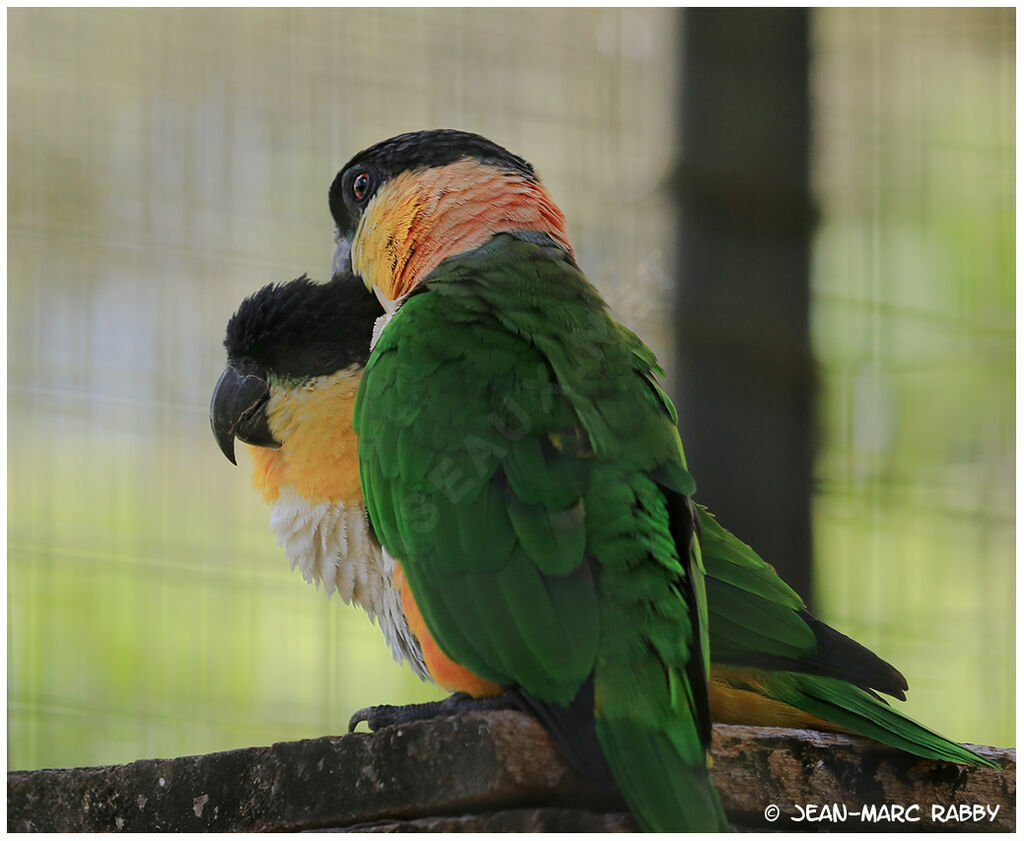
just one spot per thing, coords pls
(358, 717)
(387, 715)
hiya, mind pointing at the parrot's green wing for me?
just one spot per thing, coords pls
(857, 711)
(516, 460)
(759, 624)
(759, 620)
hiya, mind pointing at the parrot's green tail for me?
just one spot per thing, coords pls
(860, 712)
(665, 781)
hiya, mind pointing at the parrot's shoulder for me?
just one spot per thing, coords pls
(524, 297)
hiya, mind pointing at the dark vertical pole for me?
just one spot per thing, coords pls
(744, 374)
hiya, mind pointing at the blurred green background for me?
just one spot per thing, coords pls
(162, 164)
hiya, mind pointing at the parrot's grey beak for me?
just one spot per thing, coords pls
(239, 410)
(341, 262)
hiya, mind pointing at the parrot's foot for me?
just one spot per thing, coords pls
(386, 715)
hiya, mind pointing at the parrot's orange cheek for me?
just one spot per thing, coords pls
(319, 454)
(268, 472)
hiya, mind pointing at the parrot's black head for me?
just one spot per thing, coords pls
(304, 329)
(290, 332)
(361, 178)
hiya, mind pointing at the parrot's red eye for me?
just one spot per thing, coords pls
(361, 186)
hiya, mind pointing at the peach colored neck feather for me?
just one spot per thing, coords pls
(420, 218)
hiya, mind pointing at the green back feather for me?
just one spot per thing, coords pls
(530, 498)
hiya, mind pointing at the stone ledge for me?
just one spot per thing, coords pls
(512, 820)
(488, 772)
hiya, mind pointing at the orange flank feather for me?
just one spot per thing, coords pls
(738, 698)
(419, 218)
(319, 456)
(445, 672)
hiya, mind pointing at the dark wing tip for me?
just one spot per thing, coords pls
(840, 656)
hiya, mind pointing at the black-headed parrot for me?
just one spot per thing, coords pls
(522, 470)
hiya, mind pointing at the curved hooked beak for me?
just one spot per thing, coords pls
(239, 410)
(341, 261)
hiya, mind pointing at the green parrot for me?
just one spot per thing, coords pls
(523, 471)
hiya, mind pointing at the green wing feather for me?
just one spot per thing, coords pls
(535, 498)
(856, 710)
(757, 621)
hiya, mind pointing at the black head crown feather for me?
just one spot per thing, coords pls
(303, 328)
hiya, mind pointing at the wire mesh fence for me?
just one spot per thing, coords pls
(165, 163)
(914, 293)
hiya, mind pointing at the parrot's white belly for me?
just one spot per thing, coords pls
(332, 544)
